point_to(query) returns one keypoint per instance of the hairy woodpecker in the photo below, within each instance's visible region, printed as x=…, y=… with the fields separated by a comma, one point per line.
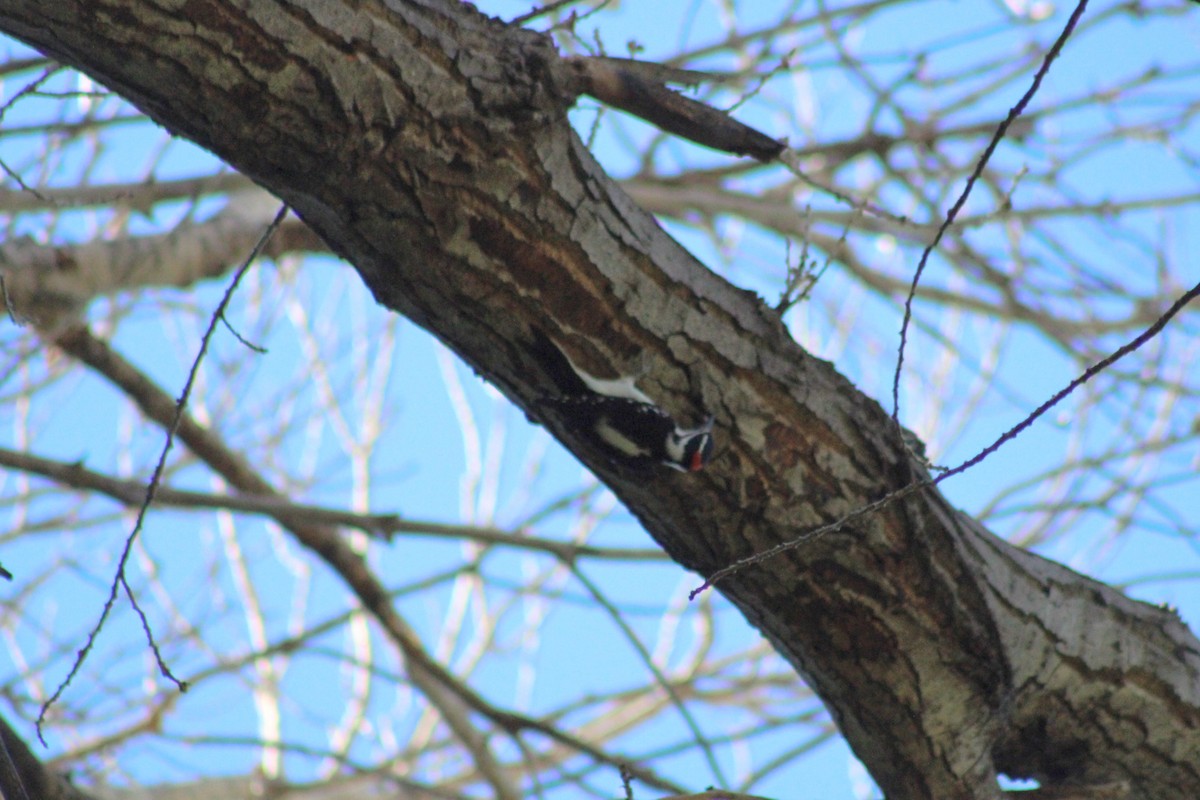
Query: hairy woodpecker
x=619, y=417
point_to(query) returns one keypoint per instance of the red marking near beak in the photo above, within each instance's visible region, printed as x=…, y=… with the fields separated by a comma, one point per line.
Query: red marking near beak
x=697, y=462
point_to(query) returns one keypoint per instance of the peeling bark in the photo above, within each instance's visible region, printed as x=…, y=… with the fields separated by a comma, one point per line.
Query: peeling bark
x=429, y=146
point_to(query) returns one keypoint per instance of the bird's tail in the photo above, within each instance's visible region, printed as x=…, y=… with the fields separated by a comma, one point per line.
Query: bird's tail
x=556, y=364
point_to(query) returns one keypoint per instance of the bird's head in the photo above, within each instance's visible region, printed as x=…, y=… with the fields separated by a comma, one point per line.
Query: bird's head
x=691, y=450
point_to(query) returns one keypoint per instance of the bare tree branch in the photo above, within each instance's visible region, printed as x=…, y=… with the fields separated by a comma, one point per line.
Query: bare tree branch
x=52, y=284
x=286, y=511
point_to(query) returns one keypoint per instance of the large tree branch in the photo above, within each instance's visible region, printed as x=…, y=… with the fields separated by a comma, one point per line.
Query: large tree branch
x=429, y=145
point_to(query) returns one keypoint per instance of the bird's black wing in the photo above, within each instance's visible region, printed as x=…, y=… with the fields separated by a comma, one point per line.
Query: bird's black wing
x=632, y=432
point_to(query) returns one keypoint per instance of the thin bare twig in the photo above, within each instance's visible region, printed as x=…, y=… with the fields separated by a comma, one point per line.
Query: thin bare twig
x=541, y=11
x=998, y=137
x=659, y=677
x=120, y=580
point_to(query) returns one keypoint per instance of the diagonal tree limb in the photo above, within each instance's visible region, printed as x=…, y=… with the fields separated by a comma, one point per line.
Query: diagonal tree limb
x=442, y=150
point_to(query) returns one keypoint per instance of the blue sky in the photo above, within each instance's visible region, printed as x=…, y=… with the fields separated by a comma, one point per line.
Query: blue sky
x=451, y=449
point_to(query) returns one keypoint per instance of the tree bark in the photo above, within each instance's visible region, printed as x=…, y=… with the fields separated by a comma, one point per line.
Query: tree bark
x=24, y=777
x=429, y=146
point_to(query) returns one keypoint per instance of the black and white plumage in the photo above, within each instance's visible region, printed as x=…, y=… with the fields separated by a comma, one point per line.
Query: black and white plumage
x=620, y=418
